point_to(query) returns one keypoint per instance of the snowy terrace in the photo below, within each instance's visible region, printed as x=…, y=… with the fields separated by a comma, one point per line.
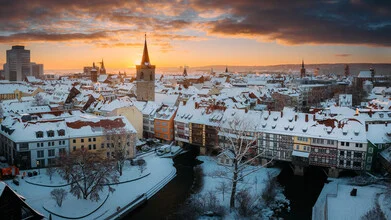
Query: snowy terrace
x=133, y=184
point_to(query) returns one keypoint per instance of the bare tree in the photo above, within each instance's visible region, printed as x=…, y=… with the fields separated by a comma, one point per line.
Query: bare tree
x=238, y=136
x=50, y=170
x=39, y=100
x=120, y=143
x=223, y=188
x=88, y=172
x=58, y=195
x=142, y=165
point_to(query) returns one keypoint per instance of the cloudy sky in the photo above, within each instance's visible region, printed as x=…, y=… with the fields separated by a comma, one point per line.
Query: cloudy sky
x=70, y=34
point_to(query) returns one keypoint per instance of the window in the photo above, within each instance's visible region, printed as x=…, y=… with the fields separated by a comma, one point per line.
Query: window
x=94, y=139
x=39, y=134
x=347, y=144
x=89, y=139
x=108, y=154
x=50, y=133
x=49, y=143
x=82, y=147
x=348, y=163
x=61, y=132
x=94, y=146
x=37, y=144
x=342, y=143
x=74, y=148
x=61, y=151
x=102, y=145
x=41, y=144
x=51, y=153
x=357, y=154
x=82, y=140
x=89, y=147
x=40, y=153
x=356, y=164
x=341, y=153
x=348, y=154
x=370, y=150
x=74, y=140
x=369, y=159
x=340, y=162
x=297, y=147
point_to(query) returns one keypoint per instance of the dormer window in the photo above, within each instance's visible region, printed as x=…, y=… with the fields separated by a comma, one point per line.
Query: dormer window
x=50, y=133
x=381, y=115
x=39, y=134
x=61, y=132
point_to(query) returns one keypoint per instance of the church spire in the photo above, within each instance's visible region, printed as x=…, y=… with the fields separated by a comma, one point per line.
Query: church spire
x=102, y=65
x=145, y=59
x=226, y=69
x=302, y=63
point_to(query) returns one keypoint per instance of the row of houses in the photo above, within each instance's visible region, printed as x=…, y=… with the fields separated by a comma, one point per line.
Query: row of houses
x=333, y=141
x=35, y=140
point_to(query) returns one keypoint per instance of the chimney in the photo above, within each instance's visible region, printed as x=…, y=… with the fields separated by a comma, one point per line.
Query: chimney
x=295, y=117
x=386, y=124
x=184, y=102
x=313, y=118
x=366, y=127
x=306, y=117
x=282, y=114
x=269, y=112
x=196, y=105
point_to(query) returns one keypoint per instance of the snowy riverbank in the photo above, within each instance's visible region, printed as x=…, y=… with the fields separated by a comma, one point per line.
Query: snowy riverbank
x=159, y=172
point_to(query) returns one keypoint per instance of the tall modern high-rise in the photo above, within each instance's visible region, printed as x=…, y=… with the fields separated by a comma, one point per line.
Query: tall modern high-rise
x=18, y=64
x=145, y=79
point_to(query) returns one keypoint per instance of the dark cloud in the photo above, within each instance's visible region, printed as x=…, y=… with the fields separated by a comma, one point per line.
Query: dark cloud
x=303, y=22
x=343, y=55
x=358, y=22
x=23, y=37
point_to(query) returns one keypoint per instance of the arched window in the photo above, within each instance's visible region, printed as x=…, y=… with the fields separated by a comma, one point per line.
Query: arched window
x=150, y=77
x=142, y=75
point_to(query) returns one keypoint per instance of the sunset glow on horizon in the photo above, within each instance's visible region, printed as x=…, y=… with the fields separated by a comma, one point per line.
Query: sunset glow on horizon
x=73, y=34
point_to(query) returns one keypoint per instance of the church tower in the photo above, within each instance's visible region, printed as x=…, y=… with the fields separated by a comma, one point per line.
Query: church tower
x=302, y=71
x=145, y=78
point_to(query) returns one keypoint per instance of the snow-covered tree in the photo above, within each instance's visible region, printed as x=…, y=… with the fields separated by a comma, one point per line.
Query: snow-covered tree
x=50, y=170
x=238, y=136
x=120, y=143
x=223, y=188
x=88, y=172
x=39, y=100
x=58, y=195
x=142, y=165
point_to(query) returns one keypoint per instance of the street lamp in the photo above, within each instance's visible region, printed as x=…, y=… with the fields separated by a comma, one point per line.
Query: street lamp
x=39, y=170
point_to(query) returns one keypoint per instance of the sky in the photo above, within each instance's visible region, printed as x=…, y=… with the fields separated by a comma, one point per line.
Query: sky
x=70, y=34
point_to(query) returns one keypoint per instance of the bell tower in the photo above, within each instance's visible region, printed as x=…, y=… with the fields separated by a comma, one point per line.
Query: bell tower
x=145, y=78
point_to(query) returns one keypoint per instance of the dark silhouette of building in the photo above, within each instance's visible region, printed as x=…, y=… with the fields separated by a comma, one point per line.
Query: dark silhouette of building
x=302, y=70
x=102, y=69
x=347, y=70
x=94, y=73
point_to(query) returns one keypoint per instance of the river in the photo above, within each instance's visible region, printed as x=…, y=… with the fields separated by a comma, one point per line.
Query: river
x=302, y=191
x=166, y=202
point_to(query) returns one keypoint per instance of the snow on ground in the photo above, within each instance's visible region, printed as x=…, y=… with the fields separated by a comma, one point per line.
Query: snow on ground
x=38, y=196
x=340, y=205
x=254, y=182
x=345, y=206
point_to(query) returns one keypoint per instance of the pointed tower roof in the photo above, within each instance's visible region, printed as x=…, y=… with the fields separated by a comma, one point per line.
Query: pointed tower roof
x=226, y=69
x=102, y=65
x=302, y=63
x=145, y=58
x=184, y=71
